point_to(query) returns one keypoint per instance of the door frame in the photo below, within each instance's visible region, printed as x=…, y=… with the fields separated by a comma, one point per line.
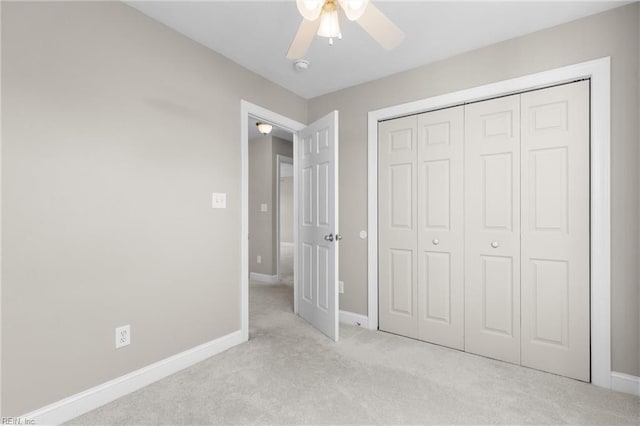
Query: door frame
x=248, y=109
x=599, y=71
x=281, y=159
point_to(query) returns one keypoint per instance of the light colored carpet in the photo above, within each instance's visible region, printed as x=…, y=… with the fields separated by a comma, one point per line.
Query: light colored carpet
x=286, y=264
x=289, y=373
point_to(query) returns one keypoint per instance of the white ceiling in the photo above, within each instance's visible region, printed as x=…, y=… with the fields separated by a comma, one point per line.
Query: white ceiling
x=257, y=35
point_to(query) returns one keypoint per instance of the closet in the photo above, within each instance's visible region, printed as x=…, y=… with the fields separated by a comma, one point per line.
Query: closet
x=484, y=228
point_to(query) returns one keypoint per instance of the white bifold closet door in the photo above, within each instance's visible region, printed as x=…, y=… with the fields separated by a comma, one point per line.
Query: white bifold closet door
x=421, y=255
x=484, y=228
x=440, y=227
x=492, y=227
x=555, y=230
x=397, y=219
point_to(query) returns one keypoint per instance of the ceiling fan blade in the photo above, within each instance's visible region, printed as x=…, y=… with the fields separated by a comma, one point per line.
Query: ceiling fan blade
x=380, y=27
x=302, y=40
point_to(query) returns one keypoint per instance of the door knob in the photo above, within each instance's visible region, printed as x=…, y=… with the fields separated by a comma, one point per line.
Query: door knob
x=338, y=237
x=436, y=242
x=329, y=237
x=495, y=244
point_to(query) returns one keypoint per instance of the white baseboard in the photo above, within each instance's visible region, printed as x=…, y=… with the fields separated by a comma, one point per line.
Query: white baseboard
x=83, y=402
x=625, y=383
x=350, y=318
x=272, y=279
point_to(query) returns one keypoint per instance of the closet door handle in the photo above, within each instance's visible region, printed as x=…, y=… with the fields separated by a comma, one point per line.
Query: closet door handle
x=495, y=244
x=328, y=237
x=436, y=242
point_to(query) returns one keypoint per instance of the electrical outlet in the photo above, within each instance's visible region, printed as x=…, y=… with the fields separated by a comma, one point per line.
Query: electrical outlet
x=219, y=200
x=340, y=286
x=123, y=336
x=259, y=259
x=264, y=207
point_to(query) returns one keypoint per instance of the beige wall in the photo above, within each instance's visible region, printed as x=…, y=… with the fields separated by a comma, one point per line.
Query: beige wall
x=284, y=148
x=263, y=164
x=613, y=33
x=261, y=232
x=116, y=130
x=286, y=210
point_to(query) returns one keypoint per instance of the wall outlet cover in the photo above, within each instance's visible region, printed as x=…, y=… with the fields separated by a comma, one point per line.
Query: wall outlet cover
x=340, y=286
x=219, y=200
x=123, y=336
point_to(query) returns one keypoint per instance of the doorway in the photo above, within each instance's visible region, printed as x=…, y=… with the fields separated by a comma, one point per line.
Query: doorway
x=315, y=221
x=249, y=112
x=270, y=205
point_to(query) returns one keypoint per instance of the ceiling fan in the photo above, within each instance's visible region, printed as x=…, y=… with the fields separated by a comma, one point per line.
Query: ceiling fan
x=321, y=17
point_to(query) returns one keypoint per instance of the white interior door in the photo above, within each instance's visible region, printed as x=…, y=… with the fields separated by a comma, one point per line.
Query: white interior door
x=397, y=225
x=492, y=228
x=555, y=230
x=441, y=227
x=318, y=224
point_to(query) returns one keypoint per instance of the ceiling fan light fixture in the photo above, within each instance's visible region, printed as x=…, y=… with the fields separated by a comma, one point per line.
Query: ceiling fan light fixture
x=310, y=9
x=354, y=9
x=264, y=128
x=326, y=23
x=329, y=24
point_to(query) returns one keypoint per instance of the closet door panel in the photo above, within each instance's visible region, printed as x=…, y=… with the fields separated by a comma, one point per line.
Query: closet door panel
x=555, y=230
x=397, y=222
x=492, y=228
x=440, y=227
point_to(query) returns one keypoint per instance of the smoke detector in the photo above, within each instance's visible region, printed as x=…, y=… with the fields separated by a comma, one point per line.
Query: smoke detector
x=301, y=65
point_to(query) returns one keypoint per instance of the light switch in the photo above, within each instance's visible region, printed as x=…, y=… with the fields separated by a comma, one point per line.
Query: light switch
x=219, y=200
x=263, y=207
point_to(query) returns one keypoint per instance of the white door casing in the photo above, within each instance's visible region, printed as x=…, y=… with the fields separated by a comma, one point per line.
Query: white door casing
x=440, y=227
x=397, y=180
x=317, y=165
x=492, y=228
x=555, y=230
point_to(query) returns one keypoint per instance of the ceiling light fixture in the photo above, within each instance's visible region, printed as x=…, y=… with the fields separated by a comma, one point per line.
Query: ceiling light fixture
x=322, y=18
x=330, y=22
x=327, y=10
x=310, y=9
x=354, y=9
x=264, y=128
